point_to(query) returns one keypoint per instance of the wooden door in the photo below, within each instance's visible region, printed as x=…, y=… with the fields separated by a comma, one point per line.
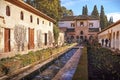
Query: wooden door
x=31, y=39
x=7, y=40
x=45, y=38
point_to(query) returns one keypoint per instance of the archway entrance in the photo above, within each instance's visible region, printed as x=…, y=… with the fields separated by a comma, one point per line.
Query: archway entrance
x=114, y=40
x=117, y=40
x=81, y=37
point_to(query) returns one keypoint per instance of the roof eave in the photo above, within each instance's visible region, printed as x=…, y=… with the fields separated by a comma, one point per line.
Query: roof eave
x=31, y=9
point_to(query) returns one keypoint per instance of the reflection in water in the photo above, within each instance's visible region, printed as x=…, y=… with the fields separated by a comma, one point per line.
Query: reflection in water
x=68, y=75
x=52, y=70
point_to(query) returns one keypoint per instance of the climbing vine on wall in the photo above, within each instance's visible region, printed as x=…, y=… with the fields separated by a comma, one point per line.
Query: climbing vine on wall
x=20, y=36
x=0, y=35
x=39, y=38
x=50, y=37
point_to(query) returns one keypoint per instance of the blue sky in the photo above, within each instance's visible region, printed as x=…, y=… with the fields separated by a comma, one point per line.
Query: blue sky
x=111, y=7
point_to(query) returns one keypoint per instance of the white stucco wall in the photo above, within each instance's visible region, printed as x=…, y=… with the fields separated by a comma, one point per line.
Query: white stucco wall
x=95, y=23
x=66, y=24
x=85, y=23
x=14, y=19
x=115, y=43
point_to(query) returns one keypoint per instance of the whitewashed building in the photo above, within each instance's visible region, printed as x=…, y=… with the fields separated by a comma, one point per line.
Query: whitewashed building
x=79, y=27
x=112, y=34
x=23, y=27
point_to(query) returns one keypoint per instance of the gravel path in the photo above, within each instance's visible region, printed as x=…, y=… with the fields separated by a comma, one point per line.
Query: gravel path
x=67, y=72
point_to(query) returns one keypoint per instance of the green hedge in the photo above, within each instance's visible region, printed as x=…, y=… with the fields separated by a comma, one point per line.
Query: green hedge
x=9, y=65
x=104, y=63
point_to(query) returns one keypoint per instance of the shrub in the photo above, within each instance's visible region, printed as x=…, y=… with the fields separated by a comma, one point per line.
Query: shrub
x=103, y=62
x=8, y=67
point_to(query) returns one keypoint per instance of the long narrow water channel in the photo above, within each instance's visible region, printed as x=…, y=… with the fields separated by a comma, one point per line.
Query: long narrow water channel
x=48, y=72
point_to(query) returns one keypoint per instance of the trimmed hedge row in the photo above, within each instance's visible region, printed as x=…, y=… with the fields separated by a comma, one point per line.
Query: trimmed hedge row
x=103, y=64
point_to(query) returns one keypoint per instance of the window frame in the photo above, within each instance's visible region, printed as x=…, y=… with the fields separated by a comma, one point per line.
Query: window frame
x=90, y=24
x=81, y=23
x=31, y=18
x=21, y=15
x=8, y=13
x=38, y=21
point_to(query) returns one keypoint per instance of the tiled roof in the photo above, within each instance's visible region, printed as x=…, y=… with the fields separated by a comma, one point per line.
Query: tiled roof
x=29, y=8
x=80, y=17
x=112, y=25
x=85, y=17
x=68, y=18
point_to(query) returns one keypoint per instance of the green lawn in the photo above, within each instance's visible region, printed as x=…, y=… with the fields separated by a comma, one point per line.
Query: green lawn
x=82, y=68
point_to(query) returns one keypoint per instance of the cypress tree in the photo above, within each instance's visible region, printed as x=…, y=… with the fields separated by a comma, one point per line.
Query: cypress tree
x=110, y=21
x=83, y=10
x=95, y=12
x=29, y=2
x=86, y=10
x=106, y=21
x=103, y=18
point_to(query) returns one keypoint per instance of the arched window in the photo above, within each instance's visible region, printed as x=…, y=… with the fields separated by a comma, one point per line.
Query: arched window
x=90, y=37
x=21, y=15
x=81, y=32
x=7, y=10
x=37, y=20
x=31, y=19
x=42, y=22
x=72, y=37
x=114, y=40
x=114, y=35
x=117, y=35
x=77, y=37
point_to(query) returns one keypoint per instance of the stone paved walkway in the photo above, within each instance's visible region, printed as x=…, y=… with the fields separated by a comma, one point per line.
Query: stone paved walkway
x=66, y=73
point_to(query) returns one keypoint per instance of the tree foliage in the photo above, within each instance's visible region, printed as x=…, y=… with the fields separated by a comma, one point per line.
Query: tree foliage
x=95, y=12
x=56, y=33
x=52, y=8
x=66, y=12
x=85, y=10
x=110, y=21
x=103, y=18
x=50, y=37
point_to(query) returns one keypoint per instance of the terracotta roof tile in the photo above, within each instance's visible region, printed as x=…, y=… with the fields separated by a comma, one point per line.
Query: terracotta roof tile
x=85, y=17
x=80, y=17
x=68, y=18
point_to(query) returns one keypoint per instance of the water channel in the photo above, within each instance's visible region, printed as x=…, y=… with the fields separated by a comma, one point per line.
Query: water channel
x=48, y=71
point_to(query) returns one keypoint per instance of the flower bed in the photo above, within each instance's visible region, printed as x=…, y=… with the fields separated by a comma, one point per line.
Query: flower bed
x=9, y=65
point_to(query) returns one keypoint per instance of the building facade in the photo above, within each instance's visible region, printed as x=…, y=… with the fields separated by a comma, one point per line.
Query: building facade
x=23, y=27
x=111, y=35
x=79, y=27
